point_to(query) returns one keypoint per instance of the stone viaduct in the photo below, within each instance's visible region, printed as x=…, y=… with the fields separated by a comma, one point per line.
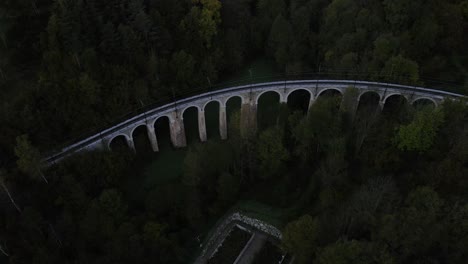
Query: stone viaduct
x=249, y=95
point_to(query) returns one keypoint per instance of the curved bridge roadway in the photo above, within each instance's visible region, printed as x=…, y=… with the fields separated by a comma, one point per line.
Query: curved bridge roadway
x=249, y=95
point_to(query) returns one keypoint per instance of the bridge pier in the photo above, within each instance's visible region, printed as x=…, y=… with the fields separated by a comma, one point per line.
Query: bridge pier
x=131, y=144
x=381, y=106
x=350, y=102
x=311, y=103
x=153, y=139
x=222, y=122
x=350, y=107
x=178, y=132
x=202, y=125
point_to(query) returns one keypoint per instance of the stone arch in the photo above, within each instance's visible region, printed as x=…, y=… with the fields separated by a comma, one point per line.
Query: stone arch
x=243, y=101
x=211, y=113
x=369, y=92
x=163, y=130
x=212, y=101
x=394, y=94
x=142, y=142
x=191, y=123
x=368, y=102
x=136, y=127
x=115, y=137
x=299, y=89
x=425, y=98
x=267, y=91
x=153, y=123
x=328, y=89
x=297, y=100
x=266, y=111
x=400, y=102
x=233, y=105
x=182, y=112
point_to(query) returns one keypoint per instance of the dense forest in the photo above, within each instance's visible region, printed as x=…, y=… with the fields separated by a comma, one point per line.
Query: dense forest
x=372, y=187
x=70, y=66
x=382, y=187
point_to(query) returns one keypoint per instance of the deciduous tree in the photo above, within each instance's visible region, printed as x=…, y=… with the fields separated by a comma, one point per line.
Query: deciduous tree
x=419, y=135
x=271, y=152
x=300, y=238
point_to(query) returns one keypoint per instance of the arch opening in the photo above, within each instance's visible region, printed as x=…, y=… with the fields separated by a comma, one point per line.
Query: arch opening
x=233, y=111
x=368, y=102
x=394, y=106
x=333, y=95
x=268, y=108
x=299, y=100
x=141, y=140
x=190, y=116
x=265, y=93
x=212, y=120
x=424, y=102
x=330, y=92
x=119, y=144
x=163, y=133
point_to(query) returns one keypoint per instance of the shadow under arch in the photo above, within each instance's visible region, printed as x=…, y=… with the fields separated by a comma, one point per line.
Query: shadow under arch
x=212, y=119
x=261, y=94
x=119, y=144
x=233, y=107
x=162, y=128
x=190, y=116
x=268, y=109
x=298, y=100
x=394, y=101
x=331, y=94
x=141, y=140
x=424, y=102
x=368, y=101
x=395, y=105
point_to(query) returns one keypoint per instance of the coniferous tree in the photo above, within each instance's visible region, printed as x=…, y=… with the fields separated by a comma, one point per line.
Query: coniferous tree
x=29, y=158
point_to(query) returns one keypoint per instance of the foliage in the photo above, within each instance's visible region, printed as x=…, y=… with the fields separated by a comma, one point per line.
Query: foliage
x=97, y=60
x=271, y=152
x=29, y=158
x=343, y=252
x=300, y=238
x=228, y=187
x=415, y=230
x=420, y=134
x=399, y=66
x=372, y=187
